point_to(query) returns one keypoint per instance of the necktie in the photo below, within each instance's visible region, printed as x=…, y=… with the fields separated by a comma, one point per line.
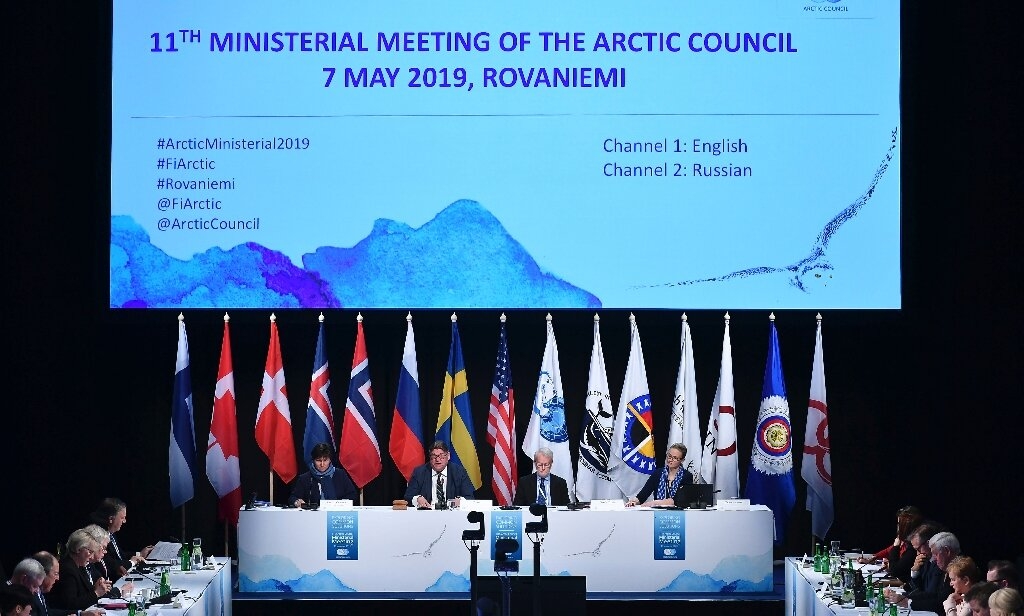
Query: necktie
x=88, y=574
x=113, y=544
x=42, y=604
x=542, y=496
x=439, y=496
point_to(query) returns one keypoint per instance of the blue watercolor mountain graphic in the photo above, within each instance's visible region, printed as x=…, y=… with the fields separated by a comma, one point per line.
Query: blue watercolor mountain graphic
x=247, y=276
x=279, y=574
x=463, y=257
x=732, y=574
x=450, y=582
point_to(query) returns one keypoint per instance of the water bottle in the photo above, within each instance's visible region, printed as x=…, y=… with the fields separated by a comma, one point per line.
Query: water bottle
x=185, y=557
x=197, y=553
x=165, y=583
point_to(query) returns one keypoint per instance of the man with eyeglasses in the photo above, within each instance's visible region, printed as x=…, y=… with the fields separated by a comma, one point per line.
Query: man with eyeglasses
x=438, y=481
x=929, y=586
x=541, y=487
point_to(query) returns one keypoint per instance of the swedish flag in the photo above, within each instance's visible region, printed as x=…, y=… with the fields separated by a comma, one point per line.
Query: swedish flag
x=455, y=421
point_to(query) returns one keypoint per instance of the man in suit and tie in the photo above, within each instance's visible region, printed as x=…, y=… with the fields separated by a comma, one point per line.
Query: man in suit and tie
x=435, y=483
x=541, y=487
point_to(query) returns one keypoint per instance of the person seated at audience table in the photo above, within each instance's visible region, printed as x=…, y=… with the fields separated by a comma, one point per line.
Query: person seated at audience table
x=660, y=489
x=977, y=597
x=323, y=481
x=15, y=600
x=97, y=569
x=1006, y=602
x=74, y=591
x=899, y=556
x=454, y=480
x=40, y=604
x=29, y=574
x=111, y=514
x=1004, y=573
x=963, y=573
x=928, y=586
x=555, y=491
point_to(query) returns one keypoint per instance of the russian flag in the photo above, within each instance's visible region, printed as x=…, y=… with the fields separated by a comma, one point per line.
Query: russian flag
x=406, y=443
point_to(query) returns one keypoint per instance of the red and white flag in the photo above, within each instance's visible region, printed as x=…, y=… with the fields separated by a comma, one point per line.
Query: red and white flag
x=273, y=419
x=222, y=447
x=359, y=451
x=816, y=468
x=720, y=462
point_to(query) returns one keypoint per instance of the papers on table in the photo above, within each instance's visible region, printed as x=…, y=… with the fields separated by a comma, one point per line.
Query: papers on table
x=163, y=550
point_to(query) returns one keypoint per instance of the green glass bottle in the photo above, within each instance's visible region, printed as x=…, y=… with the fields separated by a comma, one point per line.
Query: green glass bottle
x=165, y=583
x=185, y=557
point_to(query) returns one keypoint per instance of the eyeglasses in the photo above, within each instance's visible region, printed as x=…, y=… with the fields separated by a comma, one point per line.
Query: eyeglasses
x=542, y=464
x=671, y=457
x=438, y=456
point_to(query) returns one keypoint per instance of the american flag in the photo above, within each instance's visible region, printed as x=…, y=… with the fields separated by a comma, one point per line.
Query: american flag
x=501, y=426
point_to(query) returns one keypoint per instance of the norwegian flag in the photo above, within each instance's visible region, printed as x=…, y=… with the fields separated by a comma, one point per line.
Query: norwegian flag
x=319, y=414
x=359, y=450
x=501, y=426
x=274, y=419
x=222, y=447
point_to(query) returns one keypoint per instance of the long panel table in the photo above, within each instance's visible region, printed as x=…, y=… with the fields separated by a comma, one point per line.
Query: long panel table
x=206, y=592
x=380, y=550
x=805, y=594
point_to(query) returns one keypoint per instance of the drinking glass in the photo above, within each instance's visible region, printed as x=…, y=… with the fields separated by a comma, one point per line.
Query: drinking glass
x=834, y=548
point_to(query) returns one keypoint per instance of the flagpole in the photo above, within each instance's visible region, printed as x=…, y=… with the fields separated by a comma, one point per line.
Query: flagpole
x=271, y=481
x=227, y=529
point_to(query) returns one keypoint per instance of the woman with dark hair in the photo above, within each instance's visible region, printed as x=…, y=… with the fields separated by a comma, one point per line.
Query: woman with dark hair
x=900, y=555
x=323, y=481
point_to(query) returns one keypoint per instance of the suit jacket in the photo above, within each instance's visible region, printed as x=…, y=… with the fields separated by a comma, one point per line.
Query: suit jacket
x=72, y=590
x=651, y=486
x=526, y=490
x=116, y=558
x=39, y=610
x=930, y=589
x=343, y=487
x=99, y=570
x=422, y=483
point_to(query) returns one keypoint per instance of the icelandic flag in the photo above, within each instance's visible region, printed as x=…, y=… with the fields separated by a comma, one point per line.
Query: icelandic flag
x=182, y=454
x=319, y=413
x=592, y=480
x=406, y=444
x=683, y=426
x=222, y=447
x=359, y=450
x=632, y=454
x=455, y=420
x=501, y=426
x=720, y=460
x=770, y=479
x=816, y=467
x=274, y=417
x=547, y=421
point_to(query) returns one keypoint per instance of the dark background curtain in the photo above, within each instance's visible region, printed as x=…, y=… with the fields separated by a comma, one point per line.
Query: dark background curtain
x=924, y=402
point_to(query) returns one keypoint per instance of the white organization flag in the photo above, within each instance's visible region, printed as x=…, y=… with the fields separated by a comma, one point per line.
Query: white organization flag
x=632, y=455
x=592, y=480
x=720, y=462
x=683, y=424
x=816, y=468
x=547, y=421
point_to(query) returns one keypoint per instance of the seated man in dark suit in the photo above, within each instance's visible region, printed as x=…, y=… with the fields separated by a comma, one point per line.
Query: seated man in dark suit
x=541, y=487
x=438, y=478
